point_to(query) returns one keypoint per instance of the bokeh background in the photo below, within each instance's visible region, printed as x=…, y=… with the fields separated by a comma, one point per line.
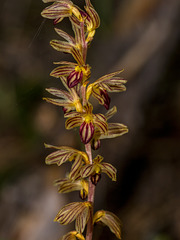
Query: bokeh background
x=143, y=38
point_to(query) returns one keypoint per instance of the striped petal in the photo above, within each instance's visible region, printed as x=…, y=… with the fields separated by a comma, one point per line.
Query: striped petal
x=61, y=46
x=61, y=102
x=87, y=170
x=86, y=132
x=109, y=170
x=72, y=122
x=111, y=112
x=65, y=35
x=74, y=78
x=94, y=18
x=57, y=10
x=101, y=95
x=114, y=130
x=62, y=71
x=67, y=185
x=100, y=122
x=64, y=154
x=76, y=168
x=82, y=219
x=110, y=220
x=71, y=211
x=73, y=235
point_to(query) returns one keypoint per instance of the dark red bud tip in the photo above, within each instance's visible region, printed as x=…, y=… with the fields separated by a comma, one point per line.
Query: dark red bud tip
x=95, y=178
x=83, y=194
x=95, y=144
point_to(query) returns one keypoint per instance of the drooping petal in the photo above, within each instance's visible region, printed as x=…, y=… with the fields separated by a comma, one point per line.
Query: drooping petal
x=76, y=168
x=82, y=218
x=94, y=18
x=101, y=95
x=86, y=132
x=109, y=170
x=73, y=235
x=95, y=143
x=111, y=112
x=110, y=220
x=69, y=213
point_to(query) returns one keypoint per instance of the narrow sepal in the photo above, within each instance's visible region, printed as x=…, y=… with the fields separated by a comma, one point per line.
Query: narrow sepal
x=68, y=185
x=111, y=112
x=109, y=170
x=73, y=235
x=76, y=168
x=83, y=218
x=76, y=210
x=57, y=10
x=93, y=16
x=100, y=122
x=110, y=220
x=61, y=71
x=64, y=154
x=65, y=35
x=114, y=130
x=69, y=213
x=61, y=46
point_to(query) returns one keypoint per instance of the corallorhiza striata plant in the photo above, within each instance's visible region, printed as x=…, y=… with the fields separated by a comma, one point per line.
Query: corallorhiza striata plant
x=75, y=100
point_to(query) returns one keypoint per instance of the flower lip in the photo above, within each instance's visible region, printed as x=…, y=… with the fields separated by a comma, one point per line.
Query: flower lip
x=86, y=132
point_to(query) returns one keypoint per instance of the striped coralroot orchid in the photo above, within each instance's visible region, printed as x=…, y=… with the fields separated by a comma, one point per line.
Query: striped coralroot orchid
x=75, y=100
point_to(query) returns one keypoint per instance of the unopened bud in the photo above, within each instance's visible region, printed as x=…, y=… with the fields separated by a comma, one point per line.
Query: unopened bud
x=95, y=178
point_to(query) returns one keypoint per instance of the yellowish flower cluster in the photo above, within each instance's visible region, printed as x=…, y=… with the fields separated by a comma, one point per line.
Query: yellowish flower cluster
x=75, y=100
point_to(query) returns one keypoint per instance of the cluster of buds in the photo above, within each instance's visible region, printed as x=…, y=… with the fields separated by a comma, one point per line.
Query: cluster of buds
x=75, y=99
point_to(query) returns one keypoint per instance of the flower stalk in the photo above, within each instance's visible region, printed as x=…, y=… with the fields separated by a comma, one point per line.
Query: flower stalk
x=75, y=100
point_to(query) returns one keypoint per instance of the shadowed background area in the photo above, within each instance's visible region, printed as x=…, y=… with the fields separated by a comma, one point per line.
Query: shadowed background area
x=143, y=38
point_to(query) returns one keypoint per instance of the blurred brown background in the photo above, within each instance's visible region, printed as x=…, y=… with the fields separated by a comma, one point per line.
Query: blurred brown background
x=143, y=38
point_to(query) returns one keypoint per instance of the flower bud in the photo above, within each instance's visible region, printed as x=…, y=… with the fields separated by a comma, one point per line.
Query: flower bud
x=95, y=178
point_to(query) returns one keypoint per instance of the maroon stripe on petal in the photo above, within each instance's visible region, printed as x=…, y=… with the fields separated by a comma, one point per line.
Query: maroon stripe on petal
x=86, y=132
x=74, y=78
